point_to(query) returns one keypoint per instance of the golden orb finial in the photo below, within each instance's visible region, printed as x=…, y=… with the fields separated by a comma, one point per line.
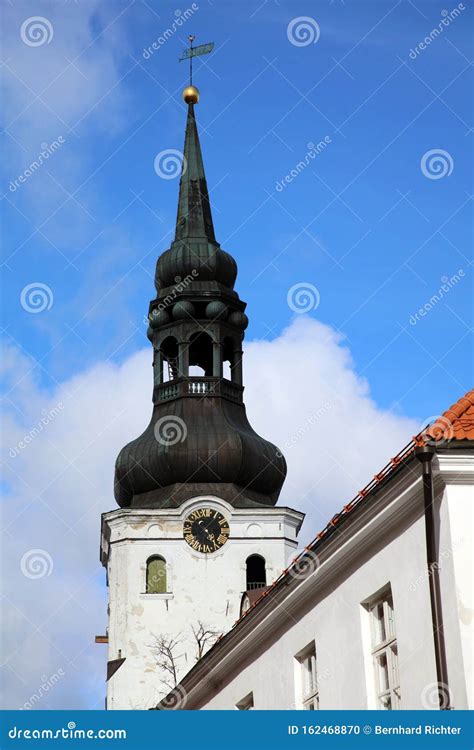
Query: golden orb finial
x=191, y=95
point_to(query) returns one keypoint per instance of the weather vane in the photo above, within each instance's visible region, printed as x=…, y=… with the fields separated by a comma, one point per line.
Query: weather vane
x=190, y=93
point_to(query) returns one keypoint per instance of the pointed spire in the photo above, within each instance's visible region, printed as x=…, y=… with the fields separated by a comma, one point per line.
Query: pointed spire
x=194, y=219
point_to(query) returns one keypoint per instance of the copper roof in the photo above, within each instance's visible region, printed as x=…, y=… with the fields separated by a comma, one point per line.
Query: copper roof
x=199, y=440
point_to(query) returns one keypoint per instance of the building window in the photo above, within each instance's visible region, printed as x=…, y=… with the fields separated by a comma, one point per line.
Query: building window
x=385, y=652
x=246, y=704
x=156, y=575
x=308, y=678
x=256, y=576
x=169, y=354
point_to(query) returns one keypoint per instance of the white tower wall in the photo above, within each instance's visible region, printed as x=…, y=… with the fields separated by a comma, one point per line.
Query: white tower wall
x=201, y=588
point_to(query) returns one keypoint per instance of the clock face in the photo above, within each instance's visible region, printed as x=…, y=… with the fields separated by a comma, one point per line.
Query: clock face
x=206, y=530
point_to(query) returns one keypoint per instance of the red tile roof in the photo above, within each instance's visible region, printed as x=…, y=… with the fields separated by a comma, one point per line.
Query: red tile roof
x=457, y=423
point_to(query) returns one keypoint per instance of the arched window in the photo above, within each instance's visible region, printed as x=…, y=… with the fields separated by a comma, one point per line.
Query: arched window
x=233, y=355
x=156, y=575
x=169, y=352
x=256, y=573
x=200, y=353
x=227, y=357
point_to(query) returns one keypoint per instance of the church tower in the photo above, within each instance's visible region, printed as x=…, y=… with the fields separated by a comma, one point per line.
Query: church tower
x=197, y=525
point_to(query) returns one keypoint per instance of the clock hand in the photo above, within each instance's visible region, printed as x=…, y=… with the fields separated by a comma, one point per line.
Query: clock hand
x=210, y=536
x=203, y=527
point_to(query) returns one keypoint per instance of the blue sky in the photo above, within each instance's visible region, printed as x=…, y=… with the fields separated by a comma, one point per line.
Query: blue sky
x=378, y=222
x=380, y=235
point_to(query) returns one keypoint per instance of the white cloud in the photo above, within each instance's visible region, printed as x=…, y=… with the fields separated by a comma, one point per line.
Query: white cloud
x=307, y=397
x=65, y=89
x=64, y=79
x=302, y=392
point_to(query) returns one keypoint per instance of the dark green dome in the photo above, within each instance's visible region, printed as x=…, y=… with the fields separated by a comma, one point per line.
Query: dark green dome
x=197, y=260
x=239, y=320
x=183, y=310
x=199, y=446
x=199, y=440
x=216, y=310
x=159, y=318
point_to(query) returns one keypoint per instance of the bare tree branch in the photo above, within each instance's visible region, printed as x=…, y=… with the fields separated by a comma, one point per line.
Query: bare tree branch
x=165, y=651
x=204, y=637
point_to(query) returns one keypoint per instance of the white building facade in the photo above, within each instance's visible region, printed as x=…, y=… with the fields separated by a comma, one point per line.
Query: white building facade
x=198, y=589
x=350, y=626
